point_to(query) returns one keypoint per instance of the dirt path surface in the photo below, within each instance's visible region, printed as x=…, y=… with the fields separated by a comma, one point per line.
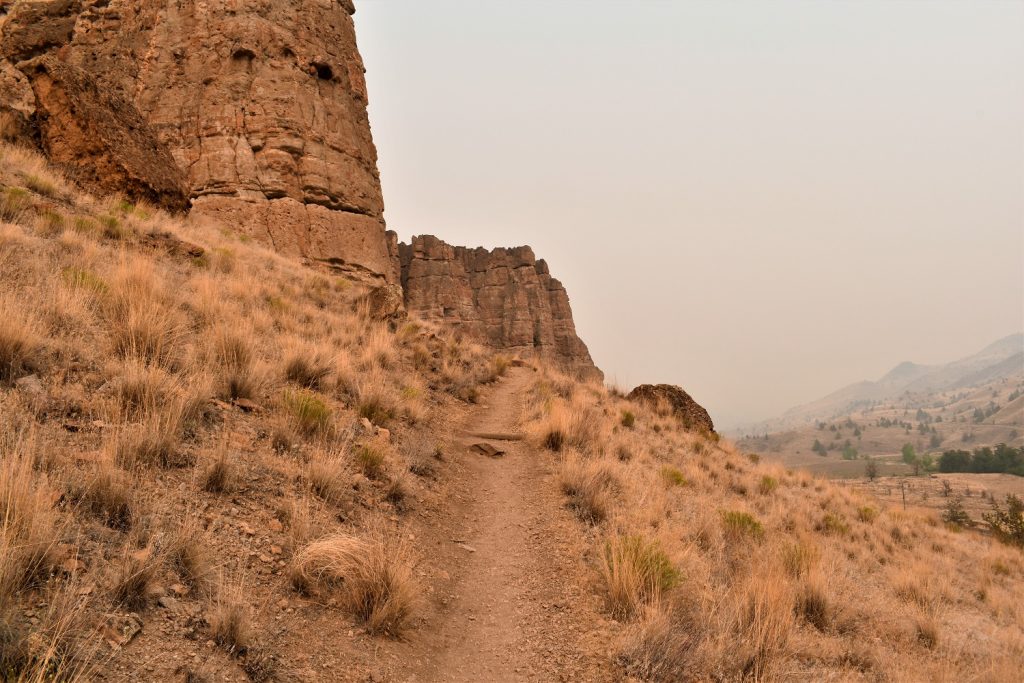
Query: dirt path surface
x=511, y=599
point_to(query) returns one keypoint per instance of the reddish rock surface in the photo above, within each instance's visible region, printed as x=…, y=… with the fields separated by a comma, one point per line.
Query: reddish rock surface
x=100, y=139
x=691, y=413
x=262, y=106
x=504, y=297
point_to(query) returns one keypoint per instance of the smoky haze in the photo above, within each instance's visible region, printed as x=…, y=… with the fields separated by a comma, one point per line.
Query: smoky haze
x=761, y=202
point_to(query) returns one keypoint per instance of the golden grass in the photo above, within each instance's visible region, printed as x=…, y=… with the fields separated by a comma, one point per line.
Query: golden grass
x=20, y=342
x=189, y=556
x=106, y=493
x=588, y=485
x=775, y=573
x=231, y=620
x=135, y=577
x=371, y=576
x=28, y=525
x=134, y=345
x=328, y=478
x=636, y=572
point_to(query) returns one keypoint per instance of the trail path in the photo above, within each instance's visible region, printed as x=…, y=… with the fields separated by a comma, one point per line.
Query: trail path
x=511, y=600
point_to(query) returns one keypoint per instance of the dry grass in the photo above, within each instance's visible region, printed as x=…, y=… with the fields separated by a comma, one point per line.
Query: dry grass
x=20, y=343
x=189, y=556
x=134, y=339
x=28, y=525
x=328, y=478
x=589, y=486
x=220, y=473
x=371, y=576
x=568, y=425
x=131, y=343
x=231, y=620
x=306, y=365
x=636, y=572
x=770, y=573
x=135, y=578
x=371, y=461
x=106, y=493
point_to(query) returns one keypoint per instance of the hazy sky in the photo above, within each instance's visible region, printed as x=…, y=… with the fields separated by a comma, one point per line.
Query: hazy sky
x=758, y=201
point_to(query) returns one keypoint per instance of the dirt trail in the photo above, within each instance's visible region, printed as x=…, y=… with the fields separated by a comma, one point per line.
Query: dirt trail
x=511, y=600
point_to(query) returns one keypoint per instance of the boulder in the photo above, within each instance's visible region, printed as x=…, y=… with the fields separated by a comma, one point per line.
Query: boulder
x=690, y=413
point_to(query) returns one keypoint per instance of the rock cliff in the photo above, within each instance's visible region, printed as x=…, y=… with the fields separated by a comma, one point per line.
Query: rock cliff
x=254, y=113
x=261, y=105
x=505, y=297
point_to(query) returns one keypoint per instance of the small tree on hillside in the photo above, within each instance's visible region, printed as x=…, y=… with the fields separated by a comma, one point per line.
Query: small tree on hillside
x=954, y=513
x=1008, y=524
x=871, y=470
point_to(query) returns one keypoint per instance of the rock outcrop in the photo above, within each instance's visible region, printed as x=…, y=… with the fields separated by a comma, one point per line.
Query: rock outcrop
x=254, y=113
x=504, y=297
x=690, y=413
x=100, y=139
x=261, y=105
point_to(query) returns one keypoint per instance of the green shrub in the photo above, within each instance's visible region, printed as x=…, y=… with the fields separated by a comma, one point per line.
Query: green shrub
x=739, y=525
x=833, y=525
x=636, y=571
x=370, y=461
x=83, y=279
x=767, y=485
x=1008, y=524
x=954, y=513
x=628, y=419
x=311, y=414
x=672, y=476
x=867, y=514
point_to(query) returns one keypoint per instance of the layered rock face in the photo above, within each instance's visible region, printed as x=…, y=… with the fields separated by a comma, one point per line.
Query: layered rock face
x=262, y=106
x=254, y=113
x=505, y=297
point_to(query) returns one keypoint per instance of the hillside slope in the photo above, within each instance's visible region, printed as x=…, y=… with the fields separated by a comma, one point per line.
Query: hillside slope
x=219, y=463
x=1001, y=360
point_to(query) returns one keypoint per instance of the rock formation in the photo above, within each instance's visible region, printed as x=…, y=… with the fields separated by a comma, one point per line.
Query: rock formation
x=690, y=413
x=505, y=297
x=261, y=105
x=254, y=113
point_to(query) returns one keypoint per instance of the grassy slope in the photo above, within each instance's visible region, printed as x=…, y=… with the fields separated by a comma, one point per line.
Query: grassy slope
x=129, y=476
x=131, y=471
x=728, y=567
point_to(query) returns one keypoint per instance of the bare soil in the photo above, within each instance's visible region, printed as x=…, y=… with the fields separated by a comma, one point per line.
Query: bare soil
x=512, y=598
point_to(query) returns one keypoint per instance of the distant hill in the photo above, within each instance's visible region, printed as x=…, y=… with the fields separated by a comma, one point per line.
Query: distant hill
x=1003, y=359
x=971, y=402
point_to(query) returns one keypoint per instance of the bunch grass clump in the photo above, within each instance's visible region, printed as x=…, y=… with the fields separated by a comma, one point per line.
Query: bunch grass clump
x=309, y=412
x=372, y=577
x=637, y=572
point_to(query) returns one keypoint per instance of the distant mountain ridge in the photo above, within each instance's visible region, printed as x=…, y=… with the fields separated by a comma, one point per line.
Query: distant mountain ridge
x=1002, y=358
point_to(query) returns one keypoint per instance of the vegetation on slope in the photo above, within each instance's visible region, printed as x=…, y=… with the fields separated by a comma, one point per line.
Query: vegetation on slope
x=725, y=568
x=194, y=424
